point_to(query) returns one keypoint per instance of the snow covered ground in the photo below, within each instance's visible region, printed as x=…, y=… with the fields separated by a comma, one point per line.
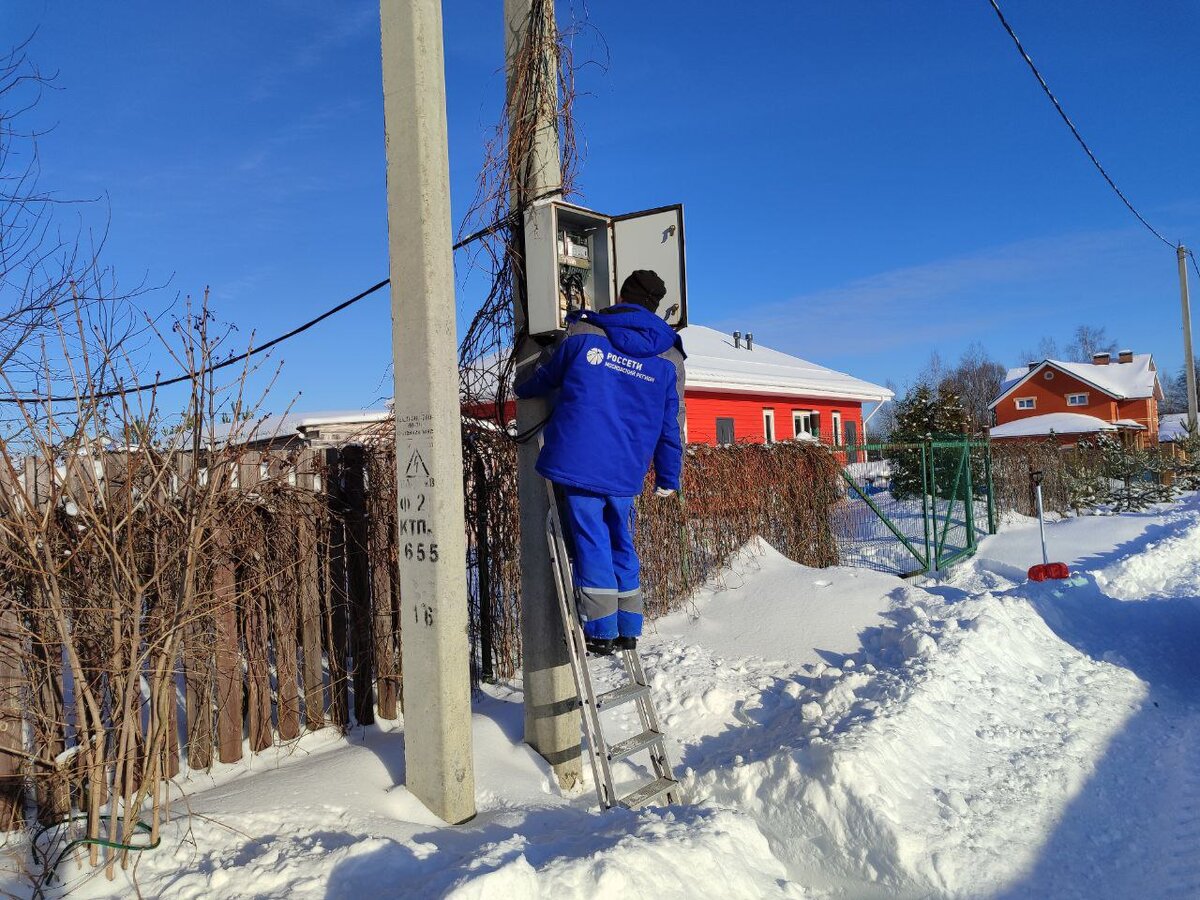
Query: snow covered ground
x=842, y=733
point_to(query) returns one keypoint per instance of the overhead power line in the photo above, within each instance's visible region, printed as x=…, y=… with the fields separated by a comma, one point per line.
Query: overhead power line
x=504, y=221
x=189, y=376
x=1075, y=131
x=233, y=360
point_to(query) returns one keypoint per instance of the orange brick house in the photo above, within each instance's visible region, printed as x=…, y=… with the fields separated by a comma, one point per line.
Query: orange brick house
x=1070, y=401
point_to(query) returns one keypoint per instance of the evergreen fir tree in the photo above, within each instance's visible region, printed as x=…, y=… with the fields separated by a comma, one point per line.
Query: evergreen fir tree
x=1107, y=473
x=925, y=412
x=1187, y=464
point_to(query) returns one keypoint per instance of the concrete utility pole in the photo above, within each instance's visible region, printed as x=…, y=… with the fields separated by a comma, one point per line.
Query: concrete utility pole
x=439, y=767
x=551, y=704
x=1189, y=359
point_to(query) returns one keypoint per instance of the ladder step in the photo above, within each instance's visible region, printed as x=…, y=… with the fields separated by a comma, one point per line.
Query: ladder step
x=647, y=794
x=624, y=694
x=632, y=745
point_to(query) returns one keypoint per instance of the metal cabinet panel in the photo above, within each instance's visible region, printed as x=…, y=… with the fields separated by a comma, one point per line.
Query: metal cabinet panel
x=653, y=239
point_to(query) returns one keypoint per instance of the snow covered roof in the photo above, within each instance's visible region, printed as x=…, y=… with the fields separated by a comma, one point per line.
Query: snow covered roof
x=715, y=364
x=1059, y=423
x=1124, y=381
x=296, y=424
x=1172, y=427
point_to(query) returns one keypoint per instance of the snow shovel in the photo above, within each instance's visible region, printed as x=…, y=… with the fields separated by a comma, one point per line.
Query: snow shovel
x=1045, y=570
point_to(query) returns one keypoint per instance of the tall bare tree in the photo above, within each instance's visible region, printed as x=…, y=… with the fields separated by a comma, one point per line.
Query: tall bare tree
x=1175, y=391
x=49, y=268
x=1047, y=348
x=976, y=379
x=1088, y=341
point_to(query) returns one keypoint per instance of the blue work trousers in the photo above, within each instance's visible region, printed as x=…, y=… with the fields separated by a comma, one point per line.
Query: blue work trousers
x=607, y=584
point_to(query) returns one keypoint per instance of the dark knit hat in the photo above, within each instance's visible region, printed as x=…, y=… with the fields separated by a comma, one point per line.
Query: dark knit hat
x=644, y=288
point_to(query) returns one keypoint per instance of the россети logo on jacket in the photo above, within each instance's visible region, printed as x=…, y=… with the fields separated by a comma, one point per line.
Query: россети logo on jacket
x=624, y=365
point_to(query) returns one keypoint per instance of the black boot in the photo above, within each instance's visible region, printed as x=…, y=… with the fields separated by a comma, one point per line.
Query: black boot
x=598, y=646
x=625, y=642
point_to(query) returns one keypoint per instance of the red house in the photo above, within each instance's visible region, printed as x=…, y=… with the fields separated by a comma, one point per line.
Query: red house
x=740, y=391
x=1075, y=400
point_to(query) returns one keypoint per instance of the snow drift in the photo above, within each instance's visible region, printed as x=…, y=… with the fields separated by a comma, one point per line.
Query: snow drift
x=841, y=732
x=938, y=760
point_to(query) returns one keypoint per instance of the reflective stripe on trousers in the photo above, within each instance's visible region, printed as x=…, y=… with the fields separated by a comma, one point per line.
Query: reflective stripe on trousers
x=596, y=603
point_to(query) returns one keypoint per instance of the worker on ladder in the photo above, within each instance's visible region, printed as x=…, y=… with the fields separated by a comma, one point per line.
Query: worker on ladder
x=619, y=376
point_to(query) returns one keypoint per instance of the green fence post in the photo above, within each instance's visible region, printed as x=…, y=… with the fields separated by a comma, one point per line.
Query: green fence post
x=991, y=487
x=969, y=504
x=926, y=470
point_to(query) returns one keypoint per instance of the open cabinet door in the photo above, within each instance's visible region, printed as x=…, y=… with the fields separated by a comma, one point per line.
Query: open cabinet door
x=653, y=239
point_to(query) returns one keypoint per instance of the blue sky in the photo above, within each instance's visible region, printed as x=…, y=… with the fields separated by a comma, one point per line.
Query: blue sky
x=865, y=182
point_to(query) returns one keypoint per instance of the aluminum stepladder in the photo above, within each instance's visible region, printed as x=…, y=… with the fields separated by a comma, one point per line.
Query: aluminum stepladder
x=664, y=787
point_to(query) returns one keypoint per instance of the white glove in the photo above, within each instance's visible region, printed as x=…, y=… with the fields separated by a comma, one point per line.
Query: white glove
x=663, y=492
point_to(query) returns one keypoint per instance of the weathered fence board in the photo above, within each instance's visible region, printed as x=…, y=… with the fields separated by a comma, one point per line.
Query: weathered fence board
x=12, y=744
x=358, y=582
x=171, y=766
x=228, y=657
x=308, y=590
x=335, y=595
x=387, y=682
x=281, y=582
x=49, y=725
x=252, y=590
x=283, y=633
x=198, y=678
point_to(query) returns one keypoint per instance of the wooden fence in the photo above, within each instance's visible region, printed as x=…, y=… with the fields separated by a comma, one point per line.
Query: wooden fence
x=301, y=628
x=304, y=632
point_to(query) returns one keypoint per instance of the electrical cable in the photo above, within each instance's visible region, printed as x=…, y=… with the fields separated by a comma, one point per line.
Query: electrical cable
x=1075, y=131
x=52, y=872
x=503, y=221
x=189, y=376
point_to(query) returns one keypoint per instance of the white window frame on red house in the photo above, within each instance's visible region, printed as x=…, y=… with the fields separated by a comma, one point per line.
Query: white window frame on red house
x=835, y=419
x=1082, y=398
x=1031, y=401
x=769, y=436
x=801, y=422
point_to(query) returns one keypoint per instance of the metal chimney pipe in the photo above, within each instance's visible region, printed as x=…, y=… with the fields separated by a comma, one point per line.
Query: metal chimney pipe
x=749, y=341
x=737, y=340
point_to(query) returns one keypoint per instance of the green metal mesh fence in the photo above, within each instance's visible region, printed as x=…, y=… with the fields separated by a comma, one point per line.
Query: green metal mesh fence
x=912, y=508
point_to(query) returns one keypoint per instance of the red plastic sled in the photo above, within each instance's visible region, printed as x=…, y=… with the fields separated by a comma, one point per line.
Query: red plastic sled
x=1049, y=572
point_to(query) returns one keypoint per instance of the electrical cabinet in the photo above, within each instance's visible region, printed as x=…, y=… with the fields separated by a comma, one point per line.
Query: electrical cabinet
x=576, y=258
